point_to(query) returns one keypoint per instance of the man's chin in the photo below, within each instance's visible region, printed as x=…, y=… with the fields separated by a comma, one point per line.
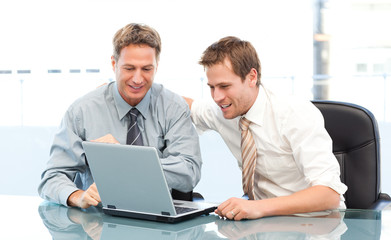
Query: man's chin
x=229, y=116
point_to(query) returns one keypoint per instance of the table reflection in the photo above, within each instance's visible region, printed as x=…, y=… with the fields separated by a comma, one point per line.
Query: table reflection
x=73, y=223
x=330, y=226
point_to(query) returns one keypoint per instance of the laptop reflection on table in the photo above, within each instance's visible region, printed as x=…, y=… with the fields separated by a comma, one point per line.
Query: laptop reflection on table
x=124, y=228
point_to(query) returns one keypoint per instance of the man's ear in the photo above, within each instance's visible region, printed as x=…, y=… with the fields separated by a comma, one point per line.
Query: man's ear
x=253, y=77
x=113, y=62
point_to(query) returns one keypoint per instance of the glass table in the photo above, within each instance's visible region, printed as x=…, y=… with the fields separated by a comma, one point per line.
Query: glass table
x=32, y=218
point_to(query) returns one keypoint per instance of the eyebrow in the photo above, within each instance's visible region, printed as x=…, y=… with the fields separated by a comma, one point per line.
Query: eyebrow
x=131, y=65
x=219, y=84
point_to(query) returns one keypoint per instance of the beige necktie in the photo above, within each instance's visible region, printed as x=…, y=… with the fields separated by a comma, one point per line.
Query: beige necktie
x=249, y=156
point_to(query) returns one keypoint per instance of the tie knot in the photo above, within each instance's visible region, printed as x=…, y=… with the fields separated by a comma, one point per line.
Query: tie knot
x=134, y=113
x=244, y=123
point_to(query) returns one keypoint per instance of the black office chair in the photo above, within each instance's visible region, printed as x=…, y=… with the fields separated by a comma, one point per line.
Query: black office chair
x=356, y=145
x=186, y=196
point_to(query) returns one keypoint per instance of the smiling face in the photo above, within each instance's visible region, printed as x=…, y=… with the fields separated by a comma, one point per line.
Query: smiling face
x=135, y=71
x=233, y=95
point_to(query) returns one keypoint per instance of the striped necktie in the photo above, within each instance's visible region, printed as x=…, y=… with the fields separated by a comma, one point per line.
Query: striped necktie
x=249, y=156
x=134, y=135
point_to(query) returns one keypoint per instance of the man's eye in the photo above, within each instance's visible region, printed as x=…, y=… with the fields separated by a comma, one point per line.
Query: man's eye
x=147, y=69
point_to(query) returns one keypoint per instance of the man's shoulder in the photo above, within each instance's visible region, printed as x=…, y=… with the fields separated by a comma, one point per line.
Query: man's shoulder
x=288, y=107
x=94, y=97
x=167, y=98
x=288, y=103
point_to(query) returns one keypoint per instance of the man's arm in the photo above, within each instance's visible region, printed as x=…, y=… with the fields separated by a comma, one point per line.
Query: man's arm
x=312, y=199
x=181, y=157
x=312, y=151
x=203, y=114
x=65, y=163
x=90, y=197
x=67, y=173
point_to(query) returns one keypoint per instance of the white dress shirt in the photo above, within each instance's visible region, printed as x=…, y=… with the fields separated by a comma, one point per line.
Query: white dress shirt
x=294, y=151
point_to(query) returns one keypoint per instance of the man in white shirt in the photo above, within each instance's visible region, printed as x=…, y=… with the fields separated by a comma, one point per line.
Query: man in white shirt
x=294, y=169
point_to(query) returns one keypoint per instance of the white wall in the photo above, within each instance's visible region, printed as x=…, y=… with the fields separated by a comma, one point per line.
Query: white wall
x=76, y=34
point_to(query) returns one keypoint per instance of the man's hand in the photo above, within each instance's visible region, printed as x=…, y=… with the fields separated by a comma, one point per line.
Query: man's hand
x=106, y=139
x=238, y=208
x=189, y=101
x=313, y=199
x=85, y=199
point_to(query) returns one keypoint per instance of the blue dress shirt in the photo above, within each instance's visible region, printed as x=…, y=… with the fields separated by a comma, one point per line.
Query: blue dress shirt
x=164, y=123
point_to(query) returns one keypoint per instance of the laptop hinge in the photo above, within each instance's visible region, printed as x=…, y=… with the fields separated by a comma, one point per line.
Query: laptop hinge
x=166, y=213
x=111, y=206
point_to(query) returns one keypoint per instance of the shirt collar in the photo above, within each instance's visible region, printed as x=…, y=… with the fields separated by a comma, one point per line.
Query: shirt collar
x=123, y=107
x=257, y=111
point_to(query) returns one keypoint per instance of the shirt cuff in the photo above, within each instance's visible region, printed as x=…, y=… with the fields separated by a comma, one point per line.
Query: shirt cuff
x=65, y=193
x=333, y=183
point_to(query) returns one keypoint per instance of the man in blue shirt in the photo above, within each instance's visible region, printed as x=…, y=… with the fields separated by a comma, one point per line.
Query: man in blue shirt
x=103, y=115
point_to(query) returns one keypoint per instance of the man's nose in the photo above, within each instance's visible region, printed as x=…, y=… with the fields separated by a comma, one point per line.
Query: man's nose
x=137, y=77
x=218, y=95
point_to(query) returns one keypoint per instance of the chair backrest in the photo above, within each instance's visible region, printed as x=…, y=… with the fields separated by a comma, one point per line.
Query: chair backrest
x=356, y=145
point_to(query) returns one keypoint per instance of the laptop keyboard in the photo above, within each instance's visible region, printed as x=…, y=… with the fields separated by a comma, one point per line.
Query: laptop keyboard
x=180, y=210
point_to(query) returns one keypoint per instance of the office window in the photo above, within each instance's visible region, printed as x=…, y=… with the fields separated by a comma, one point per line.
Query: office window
x=378, y=68
x=361, y=68
x=388, y=66
x=5, y=71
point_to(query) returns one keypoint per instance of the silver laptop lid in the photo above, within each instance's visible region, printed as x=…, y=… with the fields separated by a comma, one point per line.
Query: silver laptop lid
x=129, y=178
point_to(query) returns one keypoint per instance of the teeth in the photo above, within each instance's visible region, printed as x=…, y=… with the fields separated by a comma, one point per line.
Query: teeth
x=136, y=87
x=225, y=106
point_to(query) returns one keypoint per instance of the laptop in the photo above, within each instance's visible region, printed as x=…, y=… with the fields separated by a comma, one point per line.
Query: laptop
x=131, y=183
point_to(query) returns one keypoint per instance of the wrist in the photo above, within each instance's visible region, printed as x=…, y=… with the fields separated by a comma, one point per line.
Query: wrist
x=74, y=198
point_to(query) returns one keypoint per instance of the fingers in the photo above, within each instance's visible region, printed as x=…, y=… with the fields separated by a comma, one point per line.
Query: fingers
x=87, y=201
x=228, y=209
x=234, y=209
x=223, y=208
x=84, y=199
x=91, y=196
x=93, y=192
x=233, y=214
x=108, y=138
x=189, y=101
x=240, y=215
x=220, y=209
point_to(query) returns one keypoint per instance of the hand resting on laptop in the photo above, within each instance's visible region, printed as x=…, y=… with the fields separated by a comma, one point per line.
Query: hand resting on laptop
x=85, y=199
x=90, y=197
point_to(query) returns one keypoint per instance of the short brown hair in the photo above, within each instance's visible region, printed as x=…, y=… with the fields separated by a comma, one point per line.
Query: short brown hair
x=138, y=34
x=242, y=55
